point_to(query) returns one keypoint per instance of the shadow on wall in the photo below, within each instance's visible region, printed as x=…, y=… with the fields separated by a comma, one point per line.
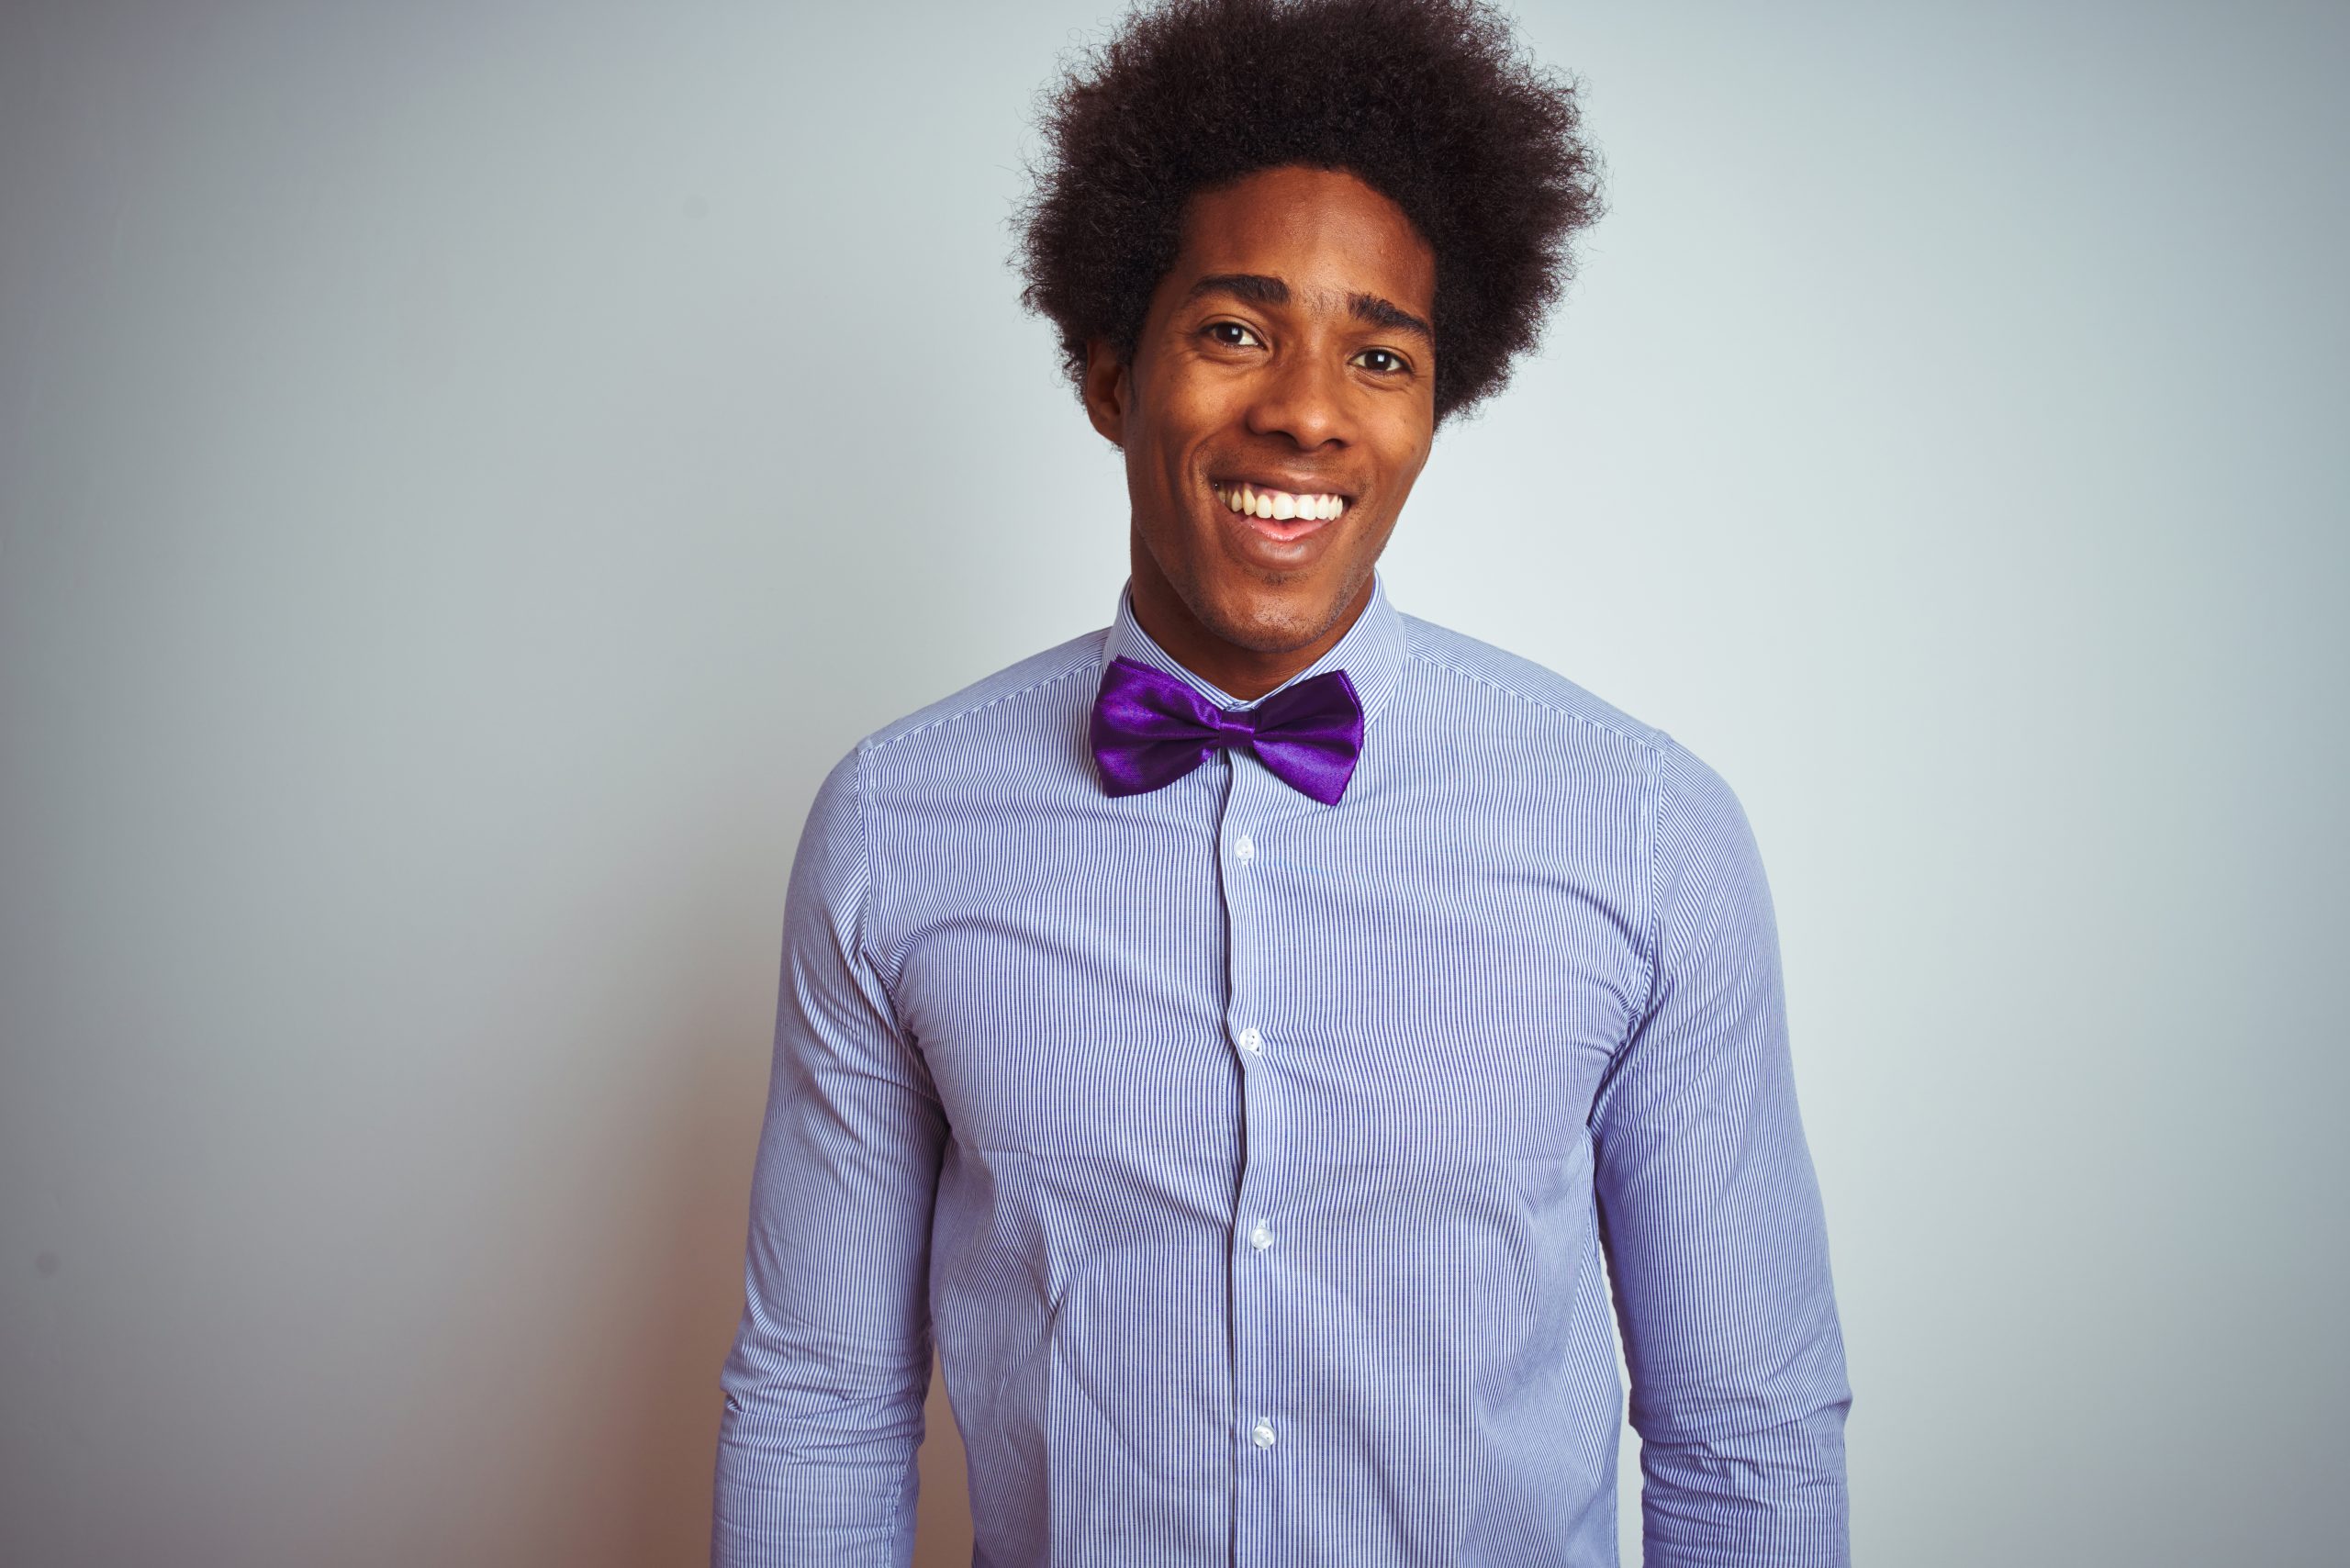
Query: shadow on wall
x=674, y=1182
x=567, y=1408
x=686, y=1238
x=943, y=1537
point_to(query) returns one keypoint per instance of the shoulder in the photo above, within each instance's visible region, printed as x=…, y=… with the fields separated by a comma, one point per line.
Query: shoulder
x=1471, y=673
x=1467, y=676
x=997, y=707
x=1005, y=737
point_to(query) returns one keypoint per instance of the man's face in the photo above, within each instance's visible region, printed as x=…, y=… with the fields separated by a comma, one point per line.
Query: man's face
x=1285, y=366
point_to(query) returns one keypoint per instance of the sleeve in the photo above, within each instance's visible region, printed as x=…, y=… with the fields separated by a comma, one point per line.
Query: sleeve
x=825, y=1383
x=1711, y=1215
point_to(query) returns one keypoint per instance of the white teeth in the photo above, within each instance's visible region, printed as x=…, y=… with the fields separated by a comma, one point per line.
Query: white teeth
x=1279, y=505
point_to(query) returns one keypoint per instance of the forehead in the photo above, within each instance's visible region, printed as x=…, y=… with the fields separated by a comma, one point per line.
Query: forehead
x=1323, y=231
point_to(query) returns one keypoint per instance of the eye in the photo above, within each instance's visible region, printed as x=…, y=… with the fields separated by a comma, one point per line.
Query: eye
x=1232, y=335
x=1383, y=362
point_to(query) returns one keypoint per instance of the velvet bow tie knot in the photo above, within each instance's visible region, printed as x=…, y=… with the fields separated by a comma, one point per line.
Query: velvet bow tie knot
x=1150, y=729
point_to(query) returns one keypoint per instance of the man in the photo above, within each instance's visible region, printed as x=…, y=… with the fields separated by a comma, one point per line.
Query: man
x=1245, y=1041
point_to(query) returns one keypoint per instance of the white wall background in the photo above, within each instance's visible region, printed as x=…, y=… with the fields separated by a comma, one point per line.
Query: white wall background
x=467, y=470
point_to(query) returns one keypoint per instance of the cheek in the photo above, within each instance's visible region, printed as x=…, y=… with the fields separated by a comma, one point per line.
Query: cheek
x=1404, y=447
x=1175, y=442
x=1192, y=406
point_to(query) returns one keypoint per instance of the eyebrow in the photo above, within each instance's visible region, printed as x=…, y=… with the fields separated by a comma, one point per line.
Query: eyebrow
x=1256, y=288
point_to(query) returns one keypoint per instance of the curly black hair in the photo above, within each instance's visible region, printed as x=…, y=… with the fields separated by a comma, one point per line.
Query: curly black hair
x=1429, y=102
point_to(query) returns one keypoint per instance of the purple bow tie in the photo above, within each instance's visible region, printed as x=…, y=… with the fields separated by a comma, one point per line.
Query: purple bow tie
x=1150, y=729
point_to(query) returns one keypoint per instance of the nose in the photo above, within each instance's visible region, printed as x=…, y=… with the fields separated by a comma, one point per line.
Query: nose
x=1302, y=394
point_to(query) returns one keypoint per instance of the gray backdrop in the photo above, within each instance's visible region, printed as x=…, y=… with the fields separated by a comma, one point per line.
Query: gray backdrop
x=467, y=470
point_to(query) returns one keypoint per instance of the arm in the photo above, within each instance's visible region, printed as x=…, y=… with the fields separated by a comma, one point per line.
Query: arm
x=825, y=1385
x=1712, y=1219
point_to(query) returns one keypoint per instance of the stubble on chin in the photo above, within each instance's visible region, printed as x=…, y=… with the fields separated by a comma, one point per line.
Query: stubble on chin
x=1272, y=622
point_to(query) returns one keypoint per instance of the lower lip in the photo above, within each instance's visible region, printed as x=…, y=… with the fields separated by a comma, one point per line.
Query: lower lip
x=1278, y=530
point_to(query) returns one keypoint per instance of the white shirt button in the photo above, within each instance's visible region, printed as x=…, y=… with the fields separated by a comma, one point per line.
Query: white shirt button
x=1263, y=1433
x=1252, y=1042
x=1261, y=1237
x=1246, y=849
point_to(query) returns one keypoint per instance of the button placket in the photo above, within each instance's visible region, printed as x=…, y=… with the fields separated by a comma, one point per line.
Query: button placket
x=1250, y=876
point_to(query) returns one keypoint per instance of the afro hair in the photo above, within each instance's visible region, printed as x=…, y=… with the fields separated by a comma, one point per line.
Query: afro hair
x=1429, y=102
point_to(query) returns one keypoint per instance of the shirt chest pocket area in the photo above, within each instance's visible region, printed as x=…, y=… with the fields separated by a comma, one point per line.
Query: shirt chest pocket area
x=1041, y=1042
x=1459, y=1041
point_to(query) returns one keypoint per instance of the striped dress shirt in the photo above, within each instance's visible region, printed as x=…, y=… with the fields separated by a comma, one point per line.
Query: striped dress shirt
x=1259, y=1168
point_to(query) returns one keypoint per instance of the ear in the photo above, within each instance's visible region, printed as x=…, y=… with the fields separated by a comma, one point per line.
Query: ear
x=1106, y=387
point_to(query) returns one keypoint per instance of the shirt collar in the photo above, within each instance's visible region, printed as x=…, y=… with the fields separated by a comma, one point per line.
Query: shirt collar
x=1372, y=653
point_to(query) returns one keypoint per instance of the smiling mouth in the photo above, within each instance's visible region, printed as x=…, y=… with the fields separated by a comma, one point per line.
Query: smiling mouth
x=1280, y=506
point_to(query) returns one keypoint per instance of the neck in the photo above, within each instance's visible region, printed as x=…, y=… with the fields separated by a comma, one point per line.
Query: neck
x=1248, y=673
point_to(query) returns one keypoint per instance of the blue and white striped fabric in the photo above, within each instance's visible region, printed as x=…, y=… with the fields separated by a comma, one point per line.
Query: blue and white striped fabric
x=1256, y=1163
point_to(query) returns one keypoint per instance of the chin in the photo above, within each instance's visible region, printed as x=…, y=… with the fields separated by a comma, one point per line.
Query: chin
x=1270, y=622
